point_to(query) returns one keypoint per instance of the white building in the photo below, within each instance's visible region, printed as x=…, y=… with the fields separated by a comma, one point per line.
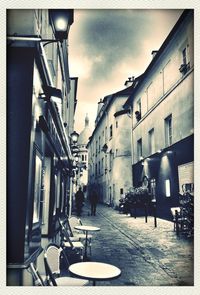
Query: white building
x=163, y=109
x=110, y=148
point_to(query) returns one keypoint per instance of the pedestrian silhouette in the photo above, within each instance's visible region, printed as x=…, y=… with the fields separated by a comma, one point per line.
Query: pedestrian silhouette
x=79, y=198
x=93, y=198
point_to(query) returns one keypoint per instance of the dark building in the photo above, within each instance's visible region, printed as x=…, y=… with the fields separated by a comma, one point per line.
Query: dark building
x=39, y=158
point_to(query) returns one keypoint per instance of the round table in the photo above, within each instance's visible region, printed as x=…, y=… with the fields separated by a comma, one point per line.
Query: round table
x=86, y=228
x=95, y=271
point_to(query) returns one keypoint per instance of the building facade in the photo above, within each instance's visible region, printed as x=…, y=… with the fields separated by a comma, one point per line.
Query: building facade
x=82, y=163
x=40, y=104
x=162, y=118
x=109, y=148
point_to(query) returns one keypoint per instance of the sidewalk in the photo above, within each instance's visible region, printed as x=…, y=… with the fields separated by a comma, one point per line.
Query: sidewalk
x=147, y=256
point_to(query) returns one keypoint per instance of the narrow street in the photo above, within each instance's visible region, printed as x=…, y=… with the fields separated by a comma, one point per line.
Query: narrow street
x=147, y=256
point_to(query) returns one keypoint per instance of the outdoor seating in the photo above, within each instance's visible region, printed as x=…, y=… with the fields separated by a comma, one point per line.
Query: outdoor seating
x=52, y=267
x=73, y=222
x=67, y=243
x=38, y=281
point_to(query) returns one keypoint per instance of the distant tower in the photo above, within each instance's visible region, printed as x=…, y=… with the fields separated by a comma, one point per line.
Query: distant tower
x=83, y=153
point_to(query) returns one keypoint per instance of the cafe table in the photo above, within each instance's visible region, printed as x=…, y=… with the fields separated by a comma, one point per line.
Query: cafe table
x=86, y=229
x=94, y=271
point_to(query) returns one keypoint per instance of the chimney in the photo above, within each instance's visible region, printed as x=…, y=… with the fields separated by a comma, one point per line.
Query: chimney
x=100, y=104
x=129, y=82
x=153, y=53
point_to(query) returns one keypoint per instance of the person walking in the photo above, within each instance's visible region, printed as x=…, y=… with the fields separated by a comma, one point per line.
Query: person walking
x=79, y=199
x=93, y=201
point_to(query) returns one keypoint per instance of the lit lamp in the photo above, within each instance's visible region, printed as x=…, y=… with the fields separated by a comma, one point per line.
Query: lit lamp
x=61, y=20
x=74, y=137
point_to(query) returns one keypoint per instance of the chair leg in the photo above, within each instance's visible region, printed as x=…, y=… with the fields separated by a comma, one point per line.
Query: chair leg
x=90, y=245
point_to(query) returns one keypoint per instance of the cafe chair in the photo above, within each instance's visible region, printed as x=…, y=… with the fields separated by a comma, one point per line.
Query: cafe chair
x=38, y=281
x=74, y=221
x=64, y=224
x=52, y=267
x=66, y=242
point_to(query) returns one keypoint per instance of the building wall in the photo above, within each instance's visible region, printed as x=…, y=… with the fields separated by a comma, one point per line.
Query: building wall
x=106, y=169
x=38, y=146
x=164, y=92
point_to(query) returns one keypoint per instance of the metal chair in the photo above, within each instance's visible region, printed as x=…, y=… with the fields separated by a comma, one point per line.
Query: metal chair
x=52, y=267
x=74, y=221
x=66, y=242
x=38, y=281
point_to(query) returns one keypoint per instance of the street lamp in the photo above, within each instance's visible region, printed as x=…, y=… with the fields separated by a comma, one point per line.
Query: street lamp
x=61, y=20
x=74, y=137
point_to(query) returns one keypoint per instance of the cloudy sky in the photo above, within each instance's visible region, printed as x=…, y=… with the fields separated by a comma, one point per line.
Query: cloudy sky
x=108, y=46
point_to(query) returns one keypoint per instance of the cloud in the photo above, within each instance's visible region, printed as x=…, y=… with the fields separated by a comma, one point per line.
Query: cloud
x=110, y=36
x=108, y=46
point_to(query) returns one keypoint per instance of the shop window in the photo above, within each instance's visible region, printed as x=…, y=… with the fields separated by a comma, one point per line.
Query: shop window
x=37, y=188
x=167, y=188
x=153, y=189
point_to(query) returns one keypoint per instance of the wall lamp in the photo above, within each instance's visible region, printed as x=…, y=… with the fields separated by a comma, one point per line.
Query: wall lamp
x=61, y=20
x=104, y=148
x=74, y=137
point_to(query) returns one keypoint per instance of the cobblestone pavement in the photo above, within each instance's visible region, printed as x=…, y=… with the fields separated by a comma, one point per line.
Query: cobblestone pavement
x=147, y=256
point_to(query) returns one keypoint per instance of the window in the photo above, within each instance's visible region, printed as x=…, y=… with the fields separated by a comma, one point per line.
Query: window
x=110, y=159
x=96, y=146
x=168, y=130
x=153, y=189
x=102, y=164
x=139, y=149
x=106, y=134
x=167, y=188
x=99, y=144
x=185, y=64
x=106, y=167
x=37, y=188
x=184, y=55
x=99, y=168
x=111, y=131
x=116, y=124
x=151, y=141
x=138, y=111
x=95, y=170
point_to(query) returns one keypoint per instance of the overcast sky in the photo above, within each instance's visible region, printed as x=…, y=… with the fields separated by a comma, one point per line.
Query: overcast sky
x=108, y=46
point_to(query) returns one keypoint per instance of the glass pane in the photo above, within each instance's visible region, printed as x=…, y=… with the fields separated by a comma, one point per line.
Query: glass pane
x=37, y=189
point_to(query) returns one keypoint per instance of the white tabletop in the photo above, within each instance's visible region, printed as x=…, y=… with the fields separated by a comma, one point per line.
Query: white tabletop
x=95, y=270
x=87, y=228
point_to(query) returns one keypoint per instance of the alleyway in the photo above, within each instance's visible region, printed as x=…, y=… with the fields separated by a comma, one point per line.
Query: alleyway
x=147, y=256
